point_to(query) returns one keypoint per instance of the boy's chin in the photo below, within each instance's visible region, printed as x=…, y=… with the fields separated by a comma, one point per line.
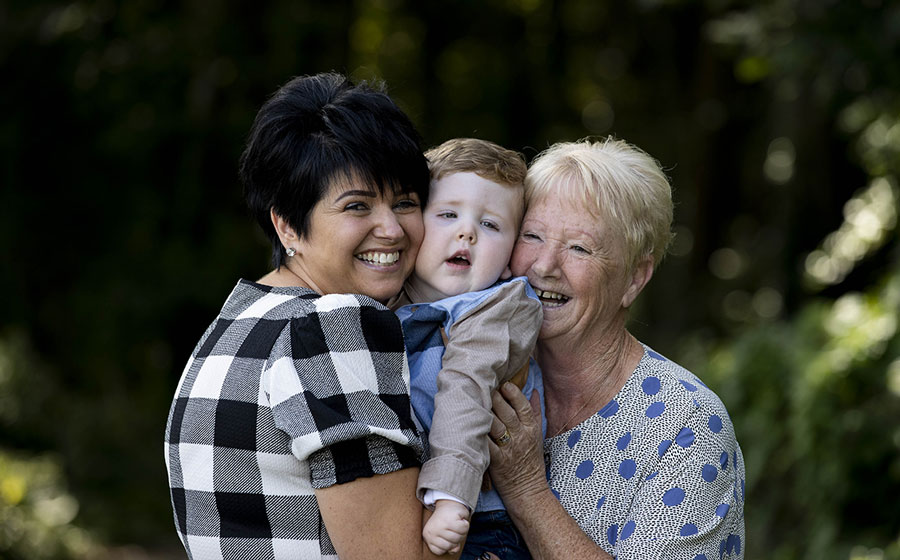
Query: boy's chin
x=446, y=288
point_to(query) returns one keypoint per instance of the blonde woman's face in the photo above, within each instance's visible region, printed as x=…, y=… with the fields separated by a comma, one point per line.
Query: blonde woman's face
x=575, y=263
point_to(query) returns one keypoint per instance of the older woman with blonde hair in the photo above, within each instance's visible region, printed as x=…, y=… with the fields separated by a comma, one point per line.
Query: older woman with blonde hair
x=640, y=459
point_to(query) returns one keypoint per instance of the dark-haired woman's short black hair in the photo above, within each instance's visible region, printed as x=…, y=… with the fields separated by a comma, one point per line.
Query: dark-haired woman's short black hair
x=317, y=129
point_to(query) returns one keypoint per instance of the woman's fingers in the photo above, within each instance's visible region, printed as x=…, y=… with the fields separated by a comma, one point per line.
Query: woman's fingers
x=514, y=416
x=517, y=462
x=510, y=406
x=517, y=399
x=498, y=428
x=502, y=409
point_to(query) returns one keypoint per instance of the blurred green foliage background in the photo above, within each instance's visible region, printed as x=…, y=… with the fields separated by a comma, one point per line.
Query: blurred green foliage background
x=122, y=228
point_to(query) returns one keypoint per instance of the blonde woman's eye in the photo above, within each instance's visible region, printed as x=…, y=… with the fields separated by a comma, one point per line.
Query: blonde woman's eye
x=531, y=236
x=580, y=249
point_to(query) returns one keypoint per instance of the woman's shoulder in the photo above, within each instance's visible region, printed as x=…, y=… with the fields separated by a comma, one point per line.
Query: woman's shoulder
x=665, y=393
x=290, y=302
x=346, y=302
x=279, y=321
x=656, y=372
x=254, y=300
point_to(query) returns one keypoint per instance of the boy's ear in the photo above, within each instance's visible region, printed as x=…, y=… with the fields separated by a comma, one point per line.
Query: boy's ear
x=507, y=274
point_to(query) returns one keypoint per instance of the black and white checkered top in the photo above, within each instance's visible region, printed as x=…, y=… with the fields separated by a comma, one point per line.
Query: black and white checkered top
x=287, y=391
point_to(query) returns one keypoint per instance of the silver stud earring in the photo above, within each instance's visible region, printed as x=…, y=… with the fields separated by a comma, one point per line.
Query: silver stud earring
x=290, y=251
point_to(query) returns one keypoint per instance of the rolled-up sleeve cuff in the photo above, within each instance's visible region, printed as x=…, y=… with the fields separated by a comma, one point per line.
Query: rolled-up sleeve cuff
x=450, y=475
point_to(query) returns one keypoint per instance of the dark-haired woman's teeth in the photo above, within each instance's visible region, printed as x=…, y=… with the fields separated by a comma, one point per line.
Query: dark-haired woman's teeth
x=379, y=258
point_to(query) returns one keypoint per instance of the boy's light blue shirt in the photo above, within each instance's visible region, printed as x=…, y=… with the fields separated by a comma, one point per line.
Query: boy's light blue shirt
x=422, y=323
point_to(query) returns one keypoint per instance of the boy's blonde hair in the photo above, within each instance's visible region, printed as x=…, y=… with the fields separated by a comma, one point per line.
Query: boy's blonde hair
x=486, y=159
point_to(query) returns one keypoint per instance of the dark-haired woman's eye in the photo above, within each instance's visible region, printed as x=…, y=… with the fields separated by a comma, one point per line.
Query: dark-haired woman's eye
x=356, y=207
x=406, y=204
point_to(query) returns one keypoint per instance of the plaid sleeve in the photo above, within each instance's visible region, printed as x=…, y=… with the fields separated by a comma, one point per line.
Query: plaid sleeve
x=339, y=387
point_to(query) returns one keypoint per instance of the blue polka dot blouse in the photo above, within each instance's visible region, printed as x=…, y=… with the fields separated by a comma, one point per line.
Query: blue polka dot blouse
x=655, y=473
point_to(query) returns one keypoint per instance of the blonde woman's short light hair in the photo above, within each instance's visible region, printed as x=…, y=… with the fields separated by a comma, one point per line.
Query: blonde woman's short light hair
x=614, y=180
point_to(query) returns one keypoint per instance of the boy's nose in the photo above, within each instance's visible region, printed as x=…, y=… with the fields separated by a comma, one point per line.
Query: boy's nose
x=467, y=234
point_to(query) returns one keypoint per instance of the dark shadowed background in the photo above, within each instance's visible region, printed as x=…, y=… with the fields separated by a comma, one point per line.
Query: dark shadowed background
x=122, y=228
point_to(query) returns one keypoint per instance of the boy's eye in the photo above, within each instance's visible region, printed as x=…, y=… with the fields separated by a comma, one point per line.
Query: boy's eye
x=447, y=214
x=490, y=225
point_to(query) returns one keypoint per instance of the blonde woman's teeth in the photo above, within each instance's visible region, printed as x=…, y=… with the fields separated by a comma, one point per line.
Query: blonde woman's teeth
x=554, y=298
x=379, y=258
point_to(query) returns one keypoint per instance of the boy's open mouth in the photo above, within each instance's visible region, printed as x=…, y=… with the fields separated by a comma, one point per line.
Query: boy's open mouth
x=460, y=258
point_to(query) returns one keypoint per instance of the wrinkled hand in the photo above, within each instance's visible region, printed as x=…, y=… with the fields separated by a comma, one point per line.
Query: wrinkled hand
x=517, y=468
x=447, y=527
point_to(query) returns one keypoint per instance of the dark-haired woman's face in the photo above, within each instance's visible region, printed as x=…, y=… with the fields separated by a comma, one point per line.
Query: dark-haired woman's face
x=361, y=242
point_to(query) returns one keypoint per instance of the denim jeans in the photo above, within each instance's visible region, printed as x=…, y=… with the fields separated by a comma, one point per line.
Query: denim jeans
x=493, y=531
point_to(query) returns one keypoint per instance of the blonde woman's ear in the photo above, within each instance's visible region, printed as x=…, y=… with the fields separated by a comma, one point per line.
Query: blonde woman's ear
x=639, y=278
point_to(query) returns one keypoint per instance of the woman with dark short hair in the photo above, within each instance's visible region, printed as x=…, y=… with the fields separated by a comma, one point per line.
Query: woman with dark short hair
x=291, y=434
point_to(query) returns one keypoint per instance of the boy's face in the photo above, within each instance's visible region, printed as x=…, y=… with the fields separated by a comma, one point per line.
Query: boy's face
x=471, y=225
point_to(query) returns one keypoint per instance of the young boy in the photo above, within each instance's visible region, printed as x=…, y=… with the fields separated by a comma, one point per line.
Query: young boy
x=466, y=335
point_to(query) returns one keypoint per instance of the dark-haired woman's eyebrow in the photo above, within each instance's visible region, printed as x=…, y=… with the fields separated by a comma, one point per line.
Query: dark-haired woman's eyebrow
x=345, y=194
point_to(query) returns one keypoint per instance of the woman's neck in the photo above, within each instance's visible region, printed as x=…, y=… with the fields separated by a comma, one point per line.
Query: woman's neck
x=577, y=384
x=283, y=276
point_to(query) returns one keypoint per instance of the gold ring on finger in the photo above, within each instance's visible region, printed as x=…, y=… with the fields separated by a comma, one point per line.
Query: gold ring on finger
x=504, y=439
